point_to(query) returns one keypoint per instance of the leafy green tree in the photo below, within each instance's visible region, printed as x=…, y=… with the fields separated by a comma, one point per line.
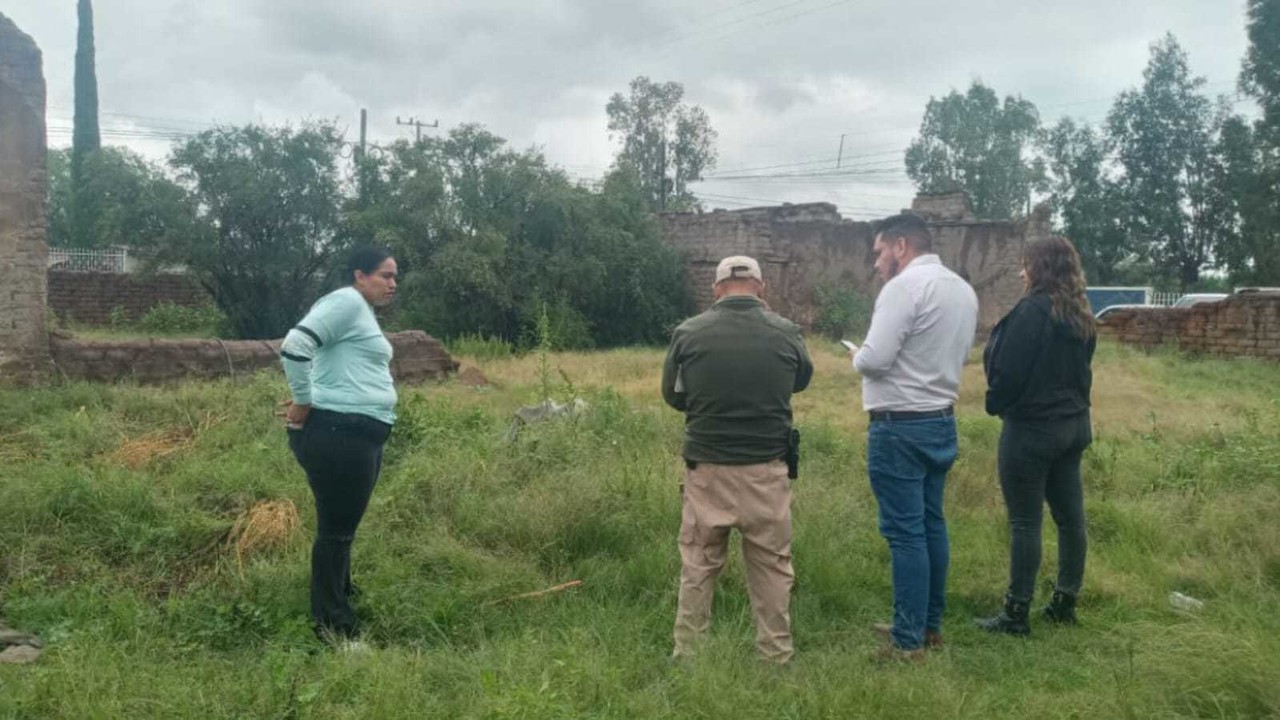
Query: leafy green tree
x=1260, y=76
x=60, y=201
x=85, y=138
x=131, y=199
x=490, y=237
x=975, y=143
x=1251, y=156
x=666, y=144
x=1249, y=252
x=1163, y=134
x=1088, y=202
x=270, y=201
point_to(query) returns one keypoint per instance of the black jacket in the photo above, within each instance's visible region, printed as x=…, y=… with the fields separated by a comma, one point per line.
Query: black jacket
x=1037, y=368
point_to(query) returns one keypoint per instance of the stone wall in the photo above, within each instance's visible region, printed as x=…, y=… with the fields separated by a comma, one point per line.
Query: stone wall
x=418, y=357
x=89, y=298
x=1247, y=324
x=24, y=342
x=801, y=247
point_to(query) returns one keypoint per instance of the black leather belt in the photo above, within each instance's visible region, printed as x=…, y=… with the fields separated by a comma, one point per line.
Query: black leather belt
x=903, y=415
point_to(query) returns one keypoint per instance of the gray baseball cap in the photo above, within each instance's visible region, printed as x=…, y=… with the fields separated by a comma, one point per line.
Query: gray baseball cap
x=738, y=267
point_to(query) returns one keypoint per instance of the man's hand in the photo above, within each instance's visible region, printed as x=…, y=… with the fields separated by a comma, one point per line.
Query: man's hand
x=295, y=416
x=853, y=349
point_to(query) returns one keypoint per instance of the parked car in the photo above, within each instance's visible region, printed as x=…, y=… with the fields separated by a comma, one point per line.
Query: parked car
x=1112, y=308
x=1185, y=301
x=1198, y=298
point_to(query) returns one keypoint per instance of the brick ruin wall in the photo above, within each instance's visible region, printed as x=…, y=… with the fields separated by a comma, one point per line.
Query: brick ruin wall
x=803, y=247
x=418, y=357
x=90, y=298
x=1247, y=324
x=24, y=341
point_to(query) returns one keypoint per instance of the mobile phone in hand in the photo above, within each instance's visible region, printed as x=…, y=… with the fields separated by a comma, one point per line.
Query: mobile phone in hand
x=851, y=346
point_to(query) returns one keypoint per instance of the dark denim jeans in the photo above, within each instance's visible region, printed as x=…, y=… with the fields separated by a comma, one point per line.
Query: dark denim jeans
x=1040, y=461
x=342, y=456
x=908, y=463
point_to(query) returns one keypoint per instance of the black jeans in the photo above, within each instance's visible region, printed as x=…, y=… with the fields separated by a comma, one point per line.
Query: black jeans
x=1040, y=461
x=342, y=455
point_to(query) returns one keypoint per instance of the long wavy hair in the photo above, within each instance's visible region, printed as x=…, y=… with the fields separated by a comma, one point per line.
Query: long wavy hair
x=1053, y=268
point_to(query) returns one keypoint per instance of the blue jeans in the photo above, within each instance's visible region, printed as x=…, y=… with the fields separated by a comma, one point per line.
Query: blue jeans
x=908, y=463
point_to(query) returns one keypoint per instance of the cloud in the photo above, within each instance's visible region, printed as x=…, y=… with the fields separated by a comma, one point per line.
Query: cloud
x=782, y=80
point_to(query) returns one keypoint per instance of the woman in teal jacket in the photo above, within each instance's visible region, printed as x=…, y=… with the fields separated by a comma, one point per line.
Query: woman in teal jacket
x=338, y=364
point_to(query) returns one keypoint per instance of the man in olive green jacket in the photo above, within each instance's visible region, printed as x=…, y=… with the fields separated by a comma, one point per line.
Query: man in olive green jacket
x=732, y=371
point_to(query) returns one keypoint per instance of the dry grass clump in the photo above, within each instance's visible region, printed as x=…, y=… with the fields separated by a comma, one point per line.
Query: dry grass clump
x=140, y=451
x=15, y=446
x=144, y=449
x=266, y=526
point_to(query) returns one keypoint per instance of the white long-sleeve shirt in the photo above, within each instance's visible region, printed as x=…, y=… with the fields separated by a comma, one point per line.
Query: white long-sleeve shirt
x=921, y=333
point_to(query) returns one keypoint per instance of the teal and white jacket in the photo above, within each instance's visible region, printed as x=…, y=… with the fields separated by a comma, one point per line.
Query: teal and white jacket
x=337, y=358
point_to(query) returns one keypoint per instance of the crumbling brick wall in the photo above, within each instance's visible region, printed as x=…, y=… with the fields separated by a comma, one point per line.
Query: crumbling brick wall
x=802, y=247
x=24, y=341
x=418, y=357
x=90, y=298
x=1246, y=324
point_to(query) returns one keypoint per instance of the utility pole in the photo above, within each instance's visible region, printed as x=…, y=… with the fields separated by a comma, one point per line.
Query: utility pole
x=364, y=127
x=662, y=177
x=360, y=154
x=417, y=126
x=840, y=155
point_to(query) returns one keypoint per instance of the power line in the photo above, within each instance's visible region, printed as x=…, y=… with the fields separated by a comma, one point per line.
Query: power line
x=872, y=166
x=785, y=19
x=731, y=23
x=787, y=202
x=842, y=173
x=149, y=119
x=818, y=161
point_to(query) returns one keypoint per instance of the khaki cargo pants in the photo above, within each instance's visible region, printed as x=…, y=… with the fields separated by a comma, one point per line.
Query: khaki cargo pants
x=756, y=499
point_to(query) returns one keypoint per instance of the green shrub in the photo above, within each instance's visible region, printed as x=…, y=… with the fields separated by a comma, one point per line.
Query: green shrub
x=170, y=318
x=118, y=318
x=842, y=312
x=481, y=347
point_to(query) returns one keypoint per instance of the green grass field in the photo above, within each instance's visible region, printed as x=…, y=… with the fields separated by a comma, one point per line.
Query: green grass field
x=116, y=503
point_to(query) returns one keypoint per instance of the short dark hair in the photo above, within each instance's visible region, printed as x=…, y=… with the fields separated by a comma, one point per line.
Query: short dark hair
x=909, y=226
x=365, y=259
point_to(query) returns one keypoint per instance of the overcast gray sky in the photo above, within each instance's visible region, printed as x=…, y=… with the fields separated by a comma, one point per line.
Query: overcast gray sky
x=781, y=79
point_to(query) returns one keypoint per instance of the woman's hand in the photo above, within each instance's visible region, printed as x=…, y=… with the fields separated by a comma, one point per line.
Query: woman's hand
x=295, y=416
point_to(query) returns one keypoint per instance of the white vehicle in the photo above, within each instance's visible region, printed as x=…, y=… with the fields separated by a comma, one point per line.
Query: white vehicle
x=1111, y=308
x=1198, y=298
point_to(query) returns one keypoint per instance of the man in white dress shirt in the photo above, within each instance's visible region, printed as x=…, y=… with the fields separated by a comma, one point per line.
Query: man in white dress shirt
x=921, y=333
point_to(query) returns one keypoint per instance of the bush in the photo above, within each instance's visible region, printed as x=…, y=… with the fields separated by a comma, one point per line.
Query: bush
x=842, y=312
x=169, y=318
x=480, y=347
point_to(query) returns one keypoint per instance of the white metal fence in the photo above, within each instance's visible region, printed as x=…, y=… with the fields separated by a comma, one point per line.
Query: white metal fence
x=109, y=260
x=1164, y=299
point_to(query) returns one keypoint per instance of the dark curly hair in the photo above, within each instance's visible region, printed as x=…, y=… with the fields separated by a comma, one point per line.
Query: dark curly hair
x=1053, y=268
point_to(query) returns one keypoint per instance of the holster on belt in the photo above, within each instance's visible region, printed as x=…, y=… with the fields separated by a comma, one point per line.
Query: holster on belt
x=793, y=454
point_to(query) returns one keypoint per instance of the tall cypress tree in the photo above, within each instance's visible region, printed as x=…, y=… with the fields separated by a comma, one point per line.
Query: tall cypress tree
x=85, y=137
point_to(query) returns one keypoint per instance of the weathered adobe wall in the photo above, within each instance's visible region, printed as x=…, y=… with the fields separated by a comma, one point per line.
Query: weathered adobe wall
x=1247, y=324
x=24, y=341
x=801, y=247
x=89, y=298
x=418, y=357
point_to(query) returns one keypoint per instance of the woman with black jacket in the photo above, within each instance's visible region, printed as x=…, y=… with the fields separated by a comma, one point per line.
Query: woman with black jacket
x=1038, y=380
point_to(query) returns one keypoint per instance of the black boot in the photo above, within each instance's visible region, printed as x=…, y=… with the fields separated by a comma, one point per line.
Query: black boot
x=1012, y=620
x=1061, y=609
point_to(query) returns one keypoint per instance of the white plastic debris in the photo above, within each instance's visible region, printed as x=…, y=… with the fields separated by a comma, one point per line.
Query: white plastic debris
x=544, y=411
